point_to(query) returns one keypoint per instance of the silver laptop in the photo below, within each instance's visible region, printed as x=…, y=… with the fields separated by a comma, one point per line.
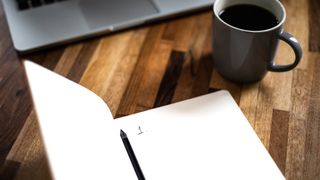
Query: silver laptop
x=36, y=24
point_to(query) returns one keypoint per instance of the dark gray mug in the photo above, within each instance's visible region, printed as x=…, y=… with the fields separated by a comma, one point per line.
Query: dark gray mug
x=244, y=55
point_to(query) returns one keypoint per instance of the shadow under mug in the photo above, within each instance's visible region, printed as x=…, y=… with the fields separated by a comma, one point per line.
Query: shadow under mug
x=245, y=56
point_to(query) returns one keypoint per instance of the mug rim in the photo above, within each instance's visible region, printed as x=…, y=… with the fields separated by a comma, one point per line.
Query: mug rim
x=252, y=31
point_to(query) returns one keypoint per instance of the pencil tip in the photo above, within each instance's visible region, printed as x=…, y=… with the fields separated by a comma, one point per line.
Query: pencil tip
x=122, y=133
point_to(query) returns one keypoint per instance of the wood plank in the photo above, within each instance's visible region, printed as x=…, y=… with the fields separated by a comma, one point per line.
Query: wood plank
x=47, y=58
x=311, y=166
x=151, y=79
x=193, y=57
x=301, y=86
x=170, y=79
x=180, y=32
x=128, y=101
x=82, y=60
x=218, y=82
x=302, y=81
x=282, y=94
x=106, y=57
x=295, y=149
x=285, y=55
x=314, y=28
x=124, y=69
x=201, y=33
x=9, y=169
x=29, y=151
x=249, y=101
x=264, y=109
x=15, y=102
x=67, y=59
x=279, y=138
x=297, y=24
x=203, y=74
x=183, y=89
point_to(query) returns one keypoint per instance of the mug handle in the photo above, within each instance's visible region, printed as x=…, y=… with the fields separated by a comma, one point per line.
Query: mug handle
x=293, y=42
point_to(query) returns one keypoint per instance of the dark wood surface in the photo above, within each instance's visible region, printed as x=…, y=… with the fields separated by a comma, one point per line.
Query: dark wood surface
x=166, y=62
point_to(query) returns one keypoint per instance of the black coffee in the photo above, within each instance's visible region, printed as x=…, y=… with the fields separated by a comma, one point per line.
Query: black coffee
x=248, y=17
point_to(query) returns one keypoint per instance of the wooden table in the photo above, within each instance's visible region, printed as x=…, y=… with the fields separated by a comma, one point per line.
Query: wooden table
x=166, y=62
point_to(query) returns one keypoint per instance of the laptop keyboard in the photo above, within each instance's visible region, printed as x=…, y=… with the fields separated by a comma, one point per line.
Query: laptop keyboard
x=27, y=4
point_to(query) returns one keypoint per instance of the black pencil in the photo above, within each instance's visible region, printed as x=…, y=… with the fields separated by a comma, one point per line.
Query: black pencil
x=131, y=155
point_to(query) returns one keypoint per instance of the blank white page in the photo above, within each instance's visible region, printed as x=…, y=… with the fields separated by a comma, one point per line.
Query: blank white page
x=77, y=128
x=207, y=137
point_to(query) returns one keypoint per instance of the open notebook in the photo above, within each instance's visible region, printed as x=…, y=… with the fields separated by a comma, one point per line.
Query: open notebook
x=206, y=137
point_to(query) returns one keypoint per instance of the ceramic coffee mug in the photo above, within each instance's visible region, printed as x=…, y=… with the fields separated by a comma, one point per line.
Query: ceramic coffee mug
x=243, y=55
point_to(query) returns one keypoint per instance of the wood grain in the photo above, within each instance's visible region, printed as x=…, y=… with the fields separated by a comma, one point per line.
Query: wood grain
x=150, y=83
x=249, y=100
x=127, y=105
x=193, y=56
x=279, y=138
x=202, y=76
x=165, y=62
x=311, y=168
x=29, y=152
x=297, y=124
x=314, y=21
x=81, y=59
x=170, y=79
x=124, y=69
x=15, y=102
